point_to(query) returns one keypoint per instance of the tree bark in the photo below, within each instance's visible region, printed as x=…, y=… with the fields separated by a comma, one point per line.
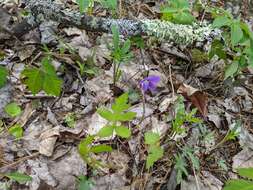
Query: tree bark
x=43, y=10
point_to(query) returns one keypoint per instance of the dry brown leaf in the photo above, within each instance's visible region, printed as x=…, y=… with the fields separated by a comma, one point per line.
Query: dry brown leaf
x=199, y=99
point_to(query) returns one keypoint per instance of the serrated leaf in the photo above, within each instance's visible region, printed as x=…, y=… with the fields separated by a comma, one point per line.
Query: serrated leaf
x=238, y=184
x=151, y=138
x=180, y=167
x=3, y=76
x=34, y=79
x=19, y=177
x=44, y=78
x=106, y=114
x=155, y=153
x=120, y=104
x=128, y=116
x=246, y=172
x=13, y=109
x=16, y=131
x=123, y=131
x=221, y=21
x=83, y=147
x=236, y=33
x=101, y=148
x=231, y=70
x=106, y=131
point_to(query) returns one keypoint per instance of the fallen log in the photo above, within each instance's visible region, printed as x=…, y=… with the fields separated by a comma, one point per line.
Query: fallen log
x=42, y=10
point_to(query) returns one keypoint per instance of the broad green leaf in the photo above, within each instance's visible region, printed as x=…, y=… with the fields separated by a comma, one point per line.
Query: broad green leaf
x=217, y=48
x=19, y=177
x=238, y=184
x=101, y=148
x=44, y=78
x=183, y=18
x=123, y=131
x=52, y=85
x=121, y=103
x=236, y=33
x=13, y=109
x=109, y=4
x=155, y=153
x=16, y=131
x=231, y=70
x=106, y=131
x=83, y=147
x=246, y=172
x=221, y=21
x=34, y=79
x=151, y=138
x=3, y=76
x=128, y=116
x=106, y=114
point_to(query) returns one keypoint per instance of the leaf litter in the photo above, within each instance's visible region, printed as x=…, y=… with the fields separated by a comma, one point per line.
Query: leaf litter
x=57, y=163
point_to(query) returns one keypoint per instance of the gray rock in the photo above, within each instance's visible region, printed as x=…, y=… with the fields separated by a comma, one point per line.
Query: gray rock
x=5, y=97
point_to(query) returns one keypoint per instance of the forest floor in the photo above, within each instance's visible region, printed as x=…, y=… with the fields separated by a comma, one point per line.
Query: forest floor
x=52, y=127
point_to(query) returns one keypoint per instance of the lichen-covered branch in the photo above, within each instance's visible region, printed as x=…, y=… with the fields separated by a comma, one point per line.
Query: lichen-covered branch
x=180, y=34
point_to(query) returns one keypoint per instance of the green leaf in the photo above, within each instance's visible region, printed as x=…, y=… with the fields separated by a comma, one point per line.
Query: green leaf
x=34, y=79
x=44, y=78
x=83, y=147
x=16, y=131
x=106, y=114
x=83, y=5
x=128, y=116
x=238, y=184
x=123, y=131
x=84, y=183
x=151, y=138
x=155, y=153
x=19, y=177
x=183, y=18
x=106, y=131
x=13, y=109
x=231, y=70
x=217, y=48
x=180, y=167
x=120, y=104
x=236, y=33
x=109, y=4
x=115, y=34
x=246, y=172
x=101, y=148
x=3, y=76
x=221, y=21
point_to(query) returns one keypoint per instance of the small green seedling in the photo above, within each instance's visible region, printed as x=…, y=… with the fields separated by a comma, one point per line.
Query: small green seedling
x=183, y=117
x=16, y=130
x=241, y=184
x=70, y=120
x=18, y=177
x=87, y=149
x=115, y=116
x=86, y=6
x=3, y=76
x=43, y=78
x=155, y=151
x=120, y=53
x=84, y=183
x=13, y=109
x=181, y=165
x=177, y=11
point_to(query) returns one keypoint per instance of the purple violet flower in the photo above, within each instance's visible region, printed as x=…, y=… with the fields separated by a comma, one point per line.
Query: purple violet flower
x=149, y=83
